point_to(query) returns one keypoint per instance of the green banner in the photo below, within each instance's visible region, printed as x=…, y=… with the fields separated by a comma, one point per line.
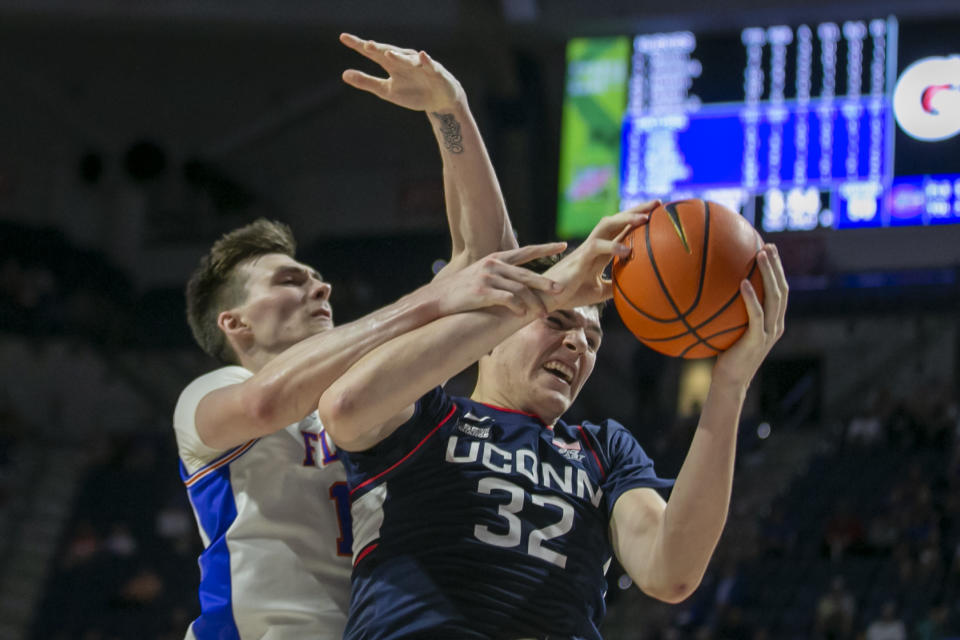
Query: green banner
x=595, y=98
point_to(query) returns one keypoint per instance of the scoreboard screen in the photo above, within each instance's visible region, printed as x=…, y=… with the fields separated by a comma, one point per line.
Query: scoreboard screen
x=799, y=127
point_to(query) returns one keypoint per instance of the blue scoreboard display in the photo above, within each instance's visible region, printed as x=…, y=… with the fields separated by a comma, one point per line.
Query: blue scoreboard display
x=821, y=125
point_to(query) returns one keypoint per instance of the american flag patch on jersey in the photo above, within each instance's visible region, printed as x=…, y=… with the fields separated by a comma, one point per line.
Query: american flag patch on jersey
x=569, y=450
x=569, y=446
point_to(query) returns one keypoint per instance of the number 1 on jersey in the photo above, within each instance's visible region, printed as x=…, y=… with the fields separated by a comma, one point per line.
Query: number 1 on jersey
x=340, y=494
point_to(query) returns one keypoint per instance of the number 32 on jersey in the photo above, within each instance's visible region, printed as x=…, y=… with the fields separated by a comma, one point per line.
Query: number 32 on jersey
x=509, y=511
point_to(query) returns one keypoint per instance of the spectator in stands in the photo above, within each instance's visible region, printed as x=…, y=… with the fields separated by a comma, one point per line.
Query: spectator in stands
x=703, y=633
x=930, y=560
x=866, y=428
x=29, y=297
x=907, y=578
x=142, y=590
x=777, y=537
x=888, y=626
x=12, y=429
x=941, y=417
x=934, y=625
x=175, y=525
x=722, y=588
x=83, y=545
x=732, y=625
x=120, y=541
x=882, y=533
x=902, y=427
x=835, y=612
x=843, y=531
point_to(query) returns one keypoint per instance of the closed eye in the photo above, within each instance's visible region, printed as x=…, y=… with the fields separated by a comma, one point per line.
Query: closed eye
x=294, y=277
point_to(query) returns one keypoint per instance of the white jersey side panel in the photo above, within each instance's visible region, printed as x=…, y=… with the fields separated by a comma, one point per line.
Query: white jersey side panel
x=274, y=517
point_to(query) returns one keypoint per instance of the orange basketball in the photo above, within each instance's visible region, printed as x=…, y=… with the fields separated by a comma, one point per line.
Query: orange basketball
x=679, y=290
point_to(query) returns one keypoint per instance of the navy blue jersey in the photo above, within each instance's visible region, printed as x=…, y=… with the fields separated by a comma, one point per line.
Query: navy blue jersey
x=472, y=521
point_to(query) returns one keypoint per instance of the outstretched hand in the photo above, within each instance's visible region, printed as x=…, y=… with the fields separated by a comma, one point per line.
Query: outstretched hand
x=496, y=280
x=414, y=80
x=740, y=362
x=581, y=272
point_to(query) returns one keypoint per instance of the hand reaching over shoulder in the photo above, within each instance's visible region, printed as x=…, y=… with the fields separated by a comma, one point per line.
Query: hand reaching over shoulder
x=581, y=272
x=414, y=79
x=497, y=280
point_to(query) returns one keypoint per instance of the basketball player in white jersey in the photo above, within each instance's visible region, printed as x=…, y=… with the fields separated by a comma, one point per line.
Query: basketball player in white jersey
x=267, y=487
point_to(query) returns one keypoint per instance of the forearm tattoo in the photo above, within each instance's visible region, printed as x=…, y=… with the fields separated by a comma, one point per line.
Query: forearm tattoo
x=450, y=128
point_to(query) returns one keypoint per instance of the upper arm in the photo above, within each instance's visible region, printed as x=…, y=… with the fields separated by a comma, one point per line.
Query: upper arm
x=635, y=525
x=371, y=437
x=223, y=409
x=207, y=419
x=231, y=415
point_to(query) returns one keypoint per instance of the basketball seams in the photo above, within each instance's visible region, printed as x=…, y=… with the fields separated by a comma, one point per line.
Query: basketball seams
x=726, y=305
x=660, y=282
x=732, y=299
x=646, y=315
x=713, y=317
x=682, y=315
x=703, y=258
x=711, y=337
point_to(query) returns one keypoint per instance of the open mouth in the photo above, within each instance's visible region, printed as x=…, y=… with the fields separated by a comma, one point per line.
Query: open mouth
x=559, y=370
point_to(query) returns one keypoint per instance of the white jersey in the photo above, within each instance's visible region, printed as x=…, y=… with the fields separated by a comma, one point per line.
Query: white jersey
x=274, y=516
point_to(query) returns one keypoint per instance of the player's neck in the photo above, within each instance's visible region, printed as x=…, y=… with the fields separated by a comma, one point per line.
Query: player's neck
x=255, y=360
x=499, y=400
x=492, y=397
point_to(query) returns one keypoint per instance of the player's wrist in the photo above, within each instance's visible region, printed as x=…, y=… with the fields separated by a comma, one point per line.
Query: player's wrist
x=425, y=304
x=728, y=384
x=551, y=301
x=454, y=104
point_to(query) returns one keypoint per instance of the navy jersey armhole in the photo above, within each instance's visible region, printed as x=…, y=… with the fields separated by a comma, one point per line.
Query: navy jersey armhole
x=368, y=466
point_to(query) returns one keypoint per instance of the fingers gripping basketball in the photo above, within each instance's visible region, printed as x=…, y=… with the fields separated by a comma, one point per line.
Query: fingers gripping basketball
x=679, y=290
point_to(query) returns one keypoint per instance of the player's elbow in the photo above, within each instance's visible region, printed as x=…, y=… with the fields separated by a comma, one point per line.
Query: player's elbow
x=669, y=584
x=338, y=413
x=671, y=592
x=260, y=405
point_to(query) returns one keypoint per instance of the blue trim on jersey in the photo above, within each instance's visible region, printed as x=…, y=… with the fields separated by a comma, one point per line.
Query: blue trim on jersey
x=212, y=499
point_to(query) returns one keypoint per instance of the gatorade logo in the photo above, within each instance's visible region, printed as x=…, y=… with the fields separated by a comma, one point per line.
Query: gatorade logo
x=926, y=100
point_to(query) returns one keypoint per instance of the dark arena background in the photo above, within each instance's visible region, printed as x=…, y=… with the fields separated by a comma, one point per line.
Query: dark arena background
x=133, y=134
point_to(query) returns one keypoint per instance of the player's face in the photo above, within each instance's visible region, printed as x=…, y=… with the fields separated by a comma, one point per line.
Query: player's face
x=542, y=367
x=286, y=301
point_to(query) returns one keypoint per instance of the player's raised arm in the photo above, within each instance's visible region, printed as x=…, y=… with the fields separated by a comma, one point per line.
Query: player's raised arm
x=377, y=394
x=665, y=547
x=476, y=211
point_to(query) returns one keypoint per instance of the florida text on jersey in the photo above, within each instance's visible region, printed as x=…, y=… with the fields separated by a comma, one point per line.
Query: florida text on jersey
x=472, y=521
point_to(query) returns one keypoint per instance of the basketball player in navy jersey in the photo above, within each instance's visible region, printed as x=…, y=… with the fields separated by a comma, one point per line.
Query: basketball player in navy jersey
x=491, y=517
x=264, y=479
